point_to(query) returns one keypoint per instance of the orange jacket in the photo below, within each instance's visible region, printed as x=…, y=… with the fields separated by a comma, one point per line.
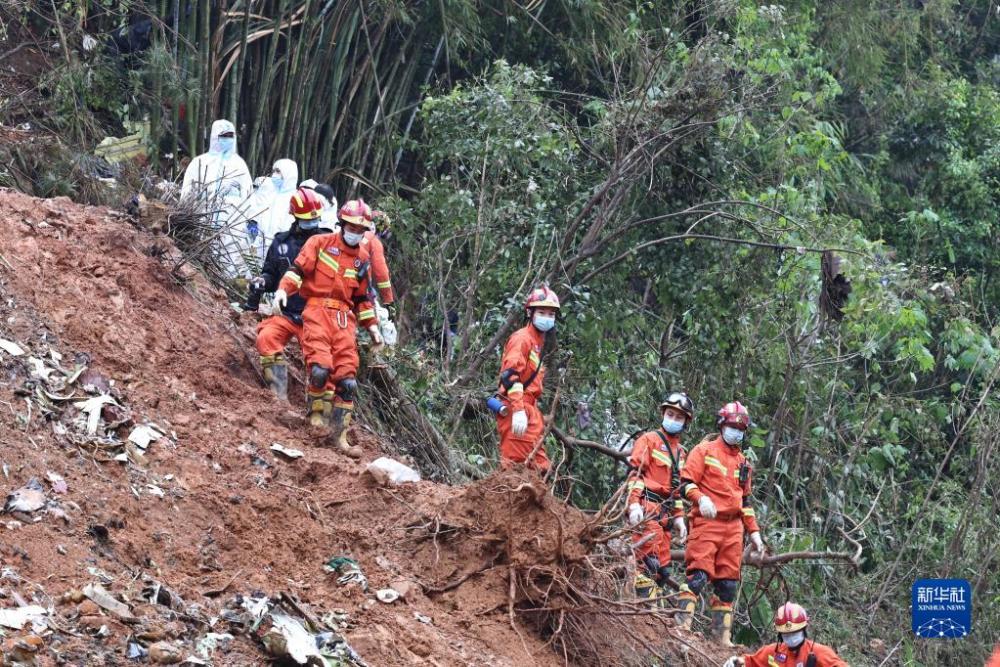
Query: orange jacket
x=713, y=469
x=779, y=655
x=654, y=469
x=380, y=268
x=327, y=268
x=522, y=355
x=994, y=660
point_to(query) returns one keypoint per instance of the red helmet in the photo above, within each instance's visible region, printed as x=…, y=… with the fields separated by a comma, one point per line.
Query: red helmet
x=542, y=297
x=305, y=204
x=790, y=618
x=734, y=414
x=357, y=212
x=680, y=401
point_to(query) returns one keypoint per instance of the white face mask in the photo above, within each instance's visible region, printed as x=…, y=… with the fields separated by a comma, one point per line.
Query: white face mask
x=543, y=322
x=732, y=436
x=352, y=239
x=794, y=639
x=672, y=426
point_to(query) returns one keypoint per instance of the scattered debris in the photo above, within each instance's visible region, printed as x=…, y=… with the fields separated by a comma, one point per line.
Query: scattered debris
x=107, y=602
x=422, y=618
x=213, y=642
x=11, y=348
x=165, y=653
x=93, y=407
x=17, y=617
x=143, y=434
x=387, y=595
x=287, y=451
x=57, y=482
x=29, y=498
x=389, y=471
x=349, y=570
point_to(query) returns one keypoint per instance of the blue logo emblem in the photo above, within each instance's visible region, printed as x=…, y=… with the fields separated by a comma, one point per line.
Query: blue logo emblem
x=941, y=608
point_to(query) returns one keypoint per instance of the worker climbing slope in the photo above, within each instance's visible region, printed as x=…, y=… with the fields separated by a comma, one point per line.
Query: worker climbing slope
x=331, y=274
x=657, y=459
x=522, y=376
x=274, y=333
x=793, y=647
x=717, y=480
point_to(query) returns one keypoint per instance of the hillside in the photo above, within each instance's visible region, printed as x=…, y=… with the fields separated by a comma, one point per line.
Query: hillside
x=208, y=512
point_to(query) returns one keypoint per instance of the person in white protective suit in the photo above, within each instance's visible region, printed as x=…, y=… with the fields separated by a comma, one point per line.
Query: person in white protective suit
x=270, y=206
x=330, y=204
x=220, y=181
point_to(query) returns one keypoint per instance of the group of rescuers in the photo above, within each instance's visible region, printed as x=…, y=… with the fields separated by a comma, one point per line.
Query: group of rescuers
x=327, y=270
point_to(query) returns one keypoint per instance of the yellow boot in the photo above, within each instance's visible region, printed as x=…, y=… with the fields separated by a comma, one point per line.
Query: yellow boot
x=686, y=602
x=645, y=588
x=342, y=417
x=276, y=374
x=722, y=623
x=320, y=408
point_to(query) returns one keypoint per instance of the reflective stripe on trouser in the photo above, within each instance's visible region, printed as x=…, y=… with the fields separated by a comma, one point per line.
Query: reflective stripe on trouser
x=516, y=448
x=274, y=333
x=328, y=340
x=716, y=547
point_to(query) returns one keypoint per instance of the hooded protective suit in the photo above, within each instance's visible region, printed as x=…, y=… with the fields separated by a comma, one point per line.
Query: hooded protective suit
x=271, y=202
x=220, y=181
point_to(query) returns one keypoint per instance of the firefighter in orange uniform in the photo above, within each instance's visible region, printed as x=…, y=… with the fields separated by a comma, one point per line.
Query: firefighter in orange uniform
x=793, y=648
x=994, y=660
x=274, y=332
x=657, y=459
x=717, y=480
x=380, y=268
x=521, y=424
x=331, y=274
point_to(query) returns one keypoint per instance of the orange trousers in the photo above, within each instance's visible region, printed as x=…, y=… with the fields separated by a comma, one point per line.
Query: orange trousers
x=274, y=333
x=658, y=543
x=329, y=339
x=517, y=448
x=715, y=546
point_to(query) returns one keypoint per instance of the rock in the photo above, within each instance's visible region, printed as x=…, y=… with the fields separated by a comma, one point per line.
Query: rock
x=406, y=589
x=91, y=622
x=88, y=608
x=165, y=653
x=73, y=596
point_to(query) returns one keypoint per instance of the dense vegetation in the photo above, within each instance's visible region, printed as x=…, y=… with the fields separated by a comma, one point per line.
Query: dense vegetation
x=674, y=171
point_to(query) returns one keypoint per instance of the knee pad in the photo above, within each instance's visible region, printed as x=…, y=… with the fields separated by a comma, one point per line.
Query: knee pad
x=696, y=580
x=318, y=375
x=726, y=589
x=347, y=388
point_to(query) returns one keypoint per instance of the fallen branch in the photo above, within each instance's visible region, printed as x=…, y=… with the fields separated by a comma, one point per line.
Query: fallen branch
x=787, y=557
x=570, y=441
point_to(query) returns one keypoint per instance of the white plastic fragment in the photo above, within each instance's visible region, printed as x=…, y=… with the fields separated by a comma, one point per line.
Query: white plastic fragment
x=93, y=407
x=287, y=451
x=11, y=348
x=143, y=434
x=106, y=601
x=387, y=595
x=17, y=617
x=390, y=471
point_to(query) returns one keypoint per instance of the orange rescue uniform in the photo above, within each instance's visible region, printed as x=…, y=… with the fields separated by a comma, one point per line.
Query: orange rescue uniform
x=715, y=546
x=653, y=484
x=994, y=660
x=380, y=268
x=333, y=279
x=522, y=359
x=274, y=333
x=779, y=655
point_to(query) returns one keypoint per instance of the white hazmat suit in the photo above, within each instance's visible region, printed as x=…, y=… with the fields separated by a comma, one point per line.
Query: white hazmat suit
x=220, y=181
x=271, y=203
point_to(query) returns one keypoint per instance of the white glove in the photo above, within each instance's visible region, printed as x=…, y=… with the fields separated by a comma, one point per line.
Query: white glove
x=757, y=541
x=519, y=422
x=280, y=300
x=706, y=507
x=635, y=513
x=682, y=529
x=389, y=333
x=377, y=342
x=734, y=661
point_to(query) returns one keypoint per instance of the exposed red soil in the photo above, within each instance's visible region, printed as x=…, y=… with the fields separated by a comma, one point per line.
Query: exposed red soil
x=82, y=280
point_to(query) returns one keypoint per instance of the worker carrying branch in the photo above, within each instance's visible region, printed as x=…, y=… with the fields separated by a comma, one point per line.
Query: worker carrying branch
x=654, y=505
x=793, y=647
x=332, y=274
x=717, y=480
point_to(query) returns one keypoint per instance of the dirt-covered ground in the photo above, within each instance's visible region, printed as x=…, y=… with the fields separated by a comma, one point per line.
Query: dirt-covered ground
x=209, y=512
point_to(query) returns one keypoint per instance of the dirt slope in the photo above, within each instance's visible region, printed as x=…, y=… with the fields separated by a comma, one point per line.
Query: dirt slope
x=208, y=508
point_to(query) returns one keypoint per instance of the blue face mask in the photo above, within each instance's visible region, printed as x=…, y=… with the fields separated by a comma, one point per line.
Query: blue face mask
x=309, y=224
x=732, y=436
x=544, y=322
x=672, y=426
x=279, y=182
x=227, y=145
x=352, y=239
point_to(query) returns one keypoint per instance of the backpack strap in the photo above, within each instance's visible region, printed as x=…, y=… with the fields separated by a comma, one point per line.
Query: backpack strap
x=675, y=471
